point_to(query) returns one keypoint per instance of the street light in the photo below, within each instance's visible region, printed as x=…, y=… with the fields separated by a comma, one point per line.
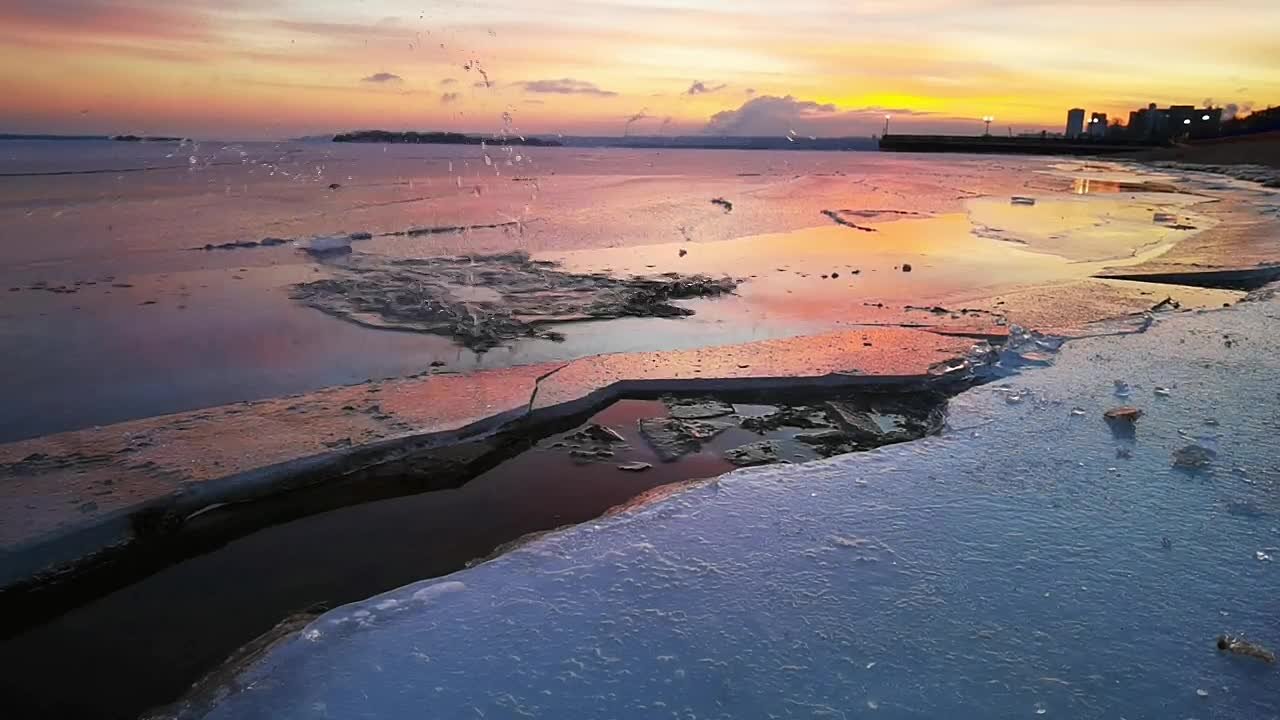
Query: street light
x=988, y=119
x=1188, y=121
x=887, y=118
x=1205, y=117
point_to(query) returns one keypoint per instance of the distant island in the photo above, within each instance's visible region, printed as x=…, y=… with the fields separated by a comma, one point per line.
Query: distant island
x=145, y=138
x=435, y=138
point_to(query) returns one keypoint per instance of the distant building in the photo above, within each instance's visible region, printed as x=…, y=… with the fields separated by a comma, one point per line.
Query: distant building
x=1175, y=122
x=1190, y=121
x=1075, y=123
x=1098, y=125
x=1147, y=124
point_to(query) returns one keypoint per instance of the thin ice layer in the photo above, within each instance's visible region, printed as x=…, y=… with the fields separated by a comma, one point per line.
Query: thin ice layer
x=1028, y=562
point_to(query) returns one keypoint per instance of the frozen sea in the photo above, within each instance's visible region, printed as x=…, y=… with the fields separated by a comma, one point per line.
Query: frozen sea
x=114, y=311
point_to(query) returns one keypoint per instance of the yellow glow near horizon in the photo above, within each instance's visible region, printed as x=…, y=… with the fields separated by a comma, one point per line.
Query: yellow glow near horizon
x=604, y=66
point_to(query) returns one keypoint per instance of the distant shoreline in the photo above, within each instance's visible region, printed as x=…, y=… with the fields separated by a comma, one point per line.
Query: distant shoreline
x=112, y=138
x=632, y=142
x=45, y=136
x=635, y=142
x=434, y=138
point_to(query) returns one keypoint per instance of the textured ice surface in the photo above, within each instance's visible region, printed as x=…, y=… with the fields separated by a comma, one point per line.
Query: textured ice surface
x=1013, y=567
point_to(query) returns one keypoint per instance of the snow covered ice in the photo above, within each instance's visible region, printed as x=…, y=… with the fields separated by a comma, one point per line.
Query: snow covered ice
x=1013, y=567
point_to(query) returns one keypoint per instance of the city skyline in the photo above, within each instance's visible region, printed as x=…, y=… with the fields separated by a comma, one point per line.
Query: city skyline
x=280, y=68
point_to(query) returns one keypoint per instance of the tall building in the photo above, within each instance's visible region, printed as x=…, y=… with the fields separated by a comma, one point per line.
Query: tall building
x=1098, y=125
x=1075, y=123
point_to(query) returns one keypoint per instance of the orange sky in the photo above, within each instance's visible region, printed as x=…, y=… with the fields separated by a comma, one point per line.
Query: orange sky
x=277, y=68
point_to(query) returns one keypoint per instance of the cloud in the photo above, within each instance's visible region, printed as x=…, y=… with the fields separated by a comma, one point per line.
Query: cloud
x=564, y=86
x=1241, y=109
x=766, y=115
x=749, y=92
x=700, y=88
x=382, y=77
x=446, y=98
x=447, y=82
x=143, y=19
x=385, y=29
x=773, y=115
x=151, y=29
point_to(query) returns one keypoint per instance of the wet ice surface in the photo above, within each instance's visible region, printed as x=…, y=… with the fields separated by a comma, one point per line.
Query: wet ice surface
x=1028, y=562
x=112, y=314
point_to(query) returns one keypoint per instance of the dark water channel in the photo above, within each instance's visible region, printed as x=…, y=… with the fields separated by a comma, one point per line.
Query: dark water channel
x=144, y=644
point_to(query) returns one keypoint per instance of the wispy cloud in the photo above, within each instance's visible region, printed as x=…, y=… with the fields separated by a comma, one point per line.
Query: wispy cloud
x=387, y=29
x=449, y=97
x=565, y=86
x=448, y=81
x=701, y=88
x=143, y=19
x=382, y=77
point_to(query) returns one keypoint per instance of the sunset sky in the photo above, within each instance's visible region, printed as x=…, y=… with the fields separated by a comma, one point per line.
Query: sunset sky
x=278, y=68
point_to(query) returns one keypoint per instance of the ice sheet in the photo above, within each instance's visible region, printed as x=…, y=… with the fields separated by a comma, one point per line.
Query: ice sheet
x=1020, y=565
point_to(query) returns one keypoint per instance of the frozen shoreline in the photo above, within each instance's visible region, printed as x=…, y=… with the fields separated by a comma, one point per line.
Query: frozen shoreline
x=1028, y=542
